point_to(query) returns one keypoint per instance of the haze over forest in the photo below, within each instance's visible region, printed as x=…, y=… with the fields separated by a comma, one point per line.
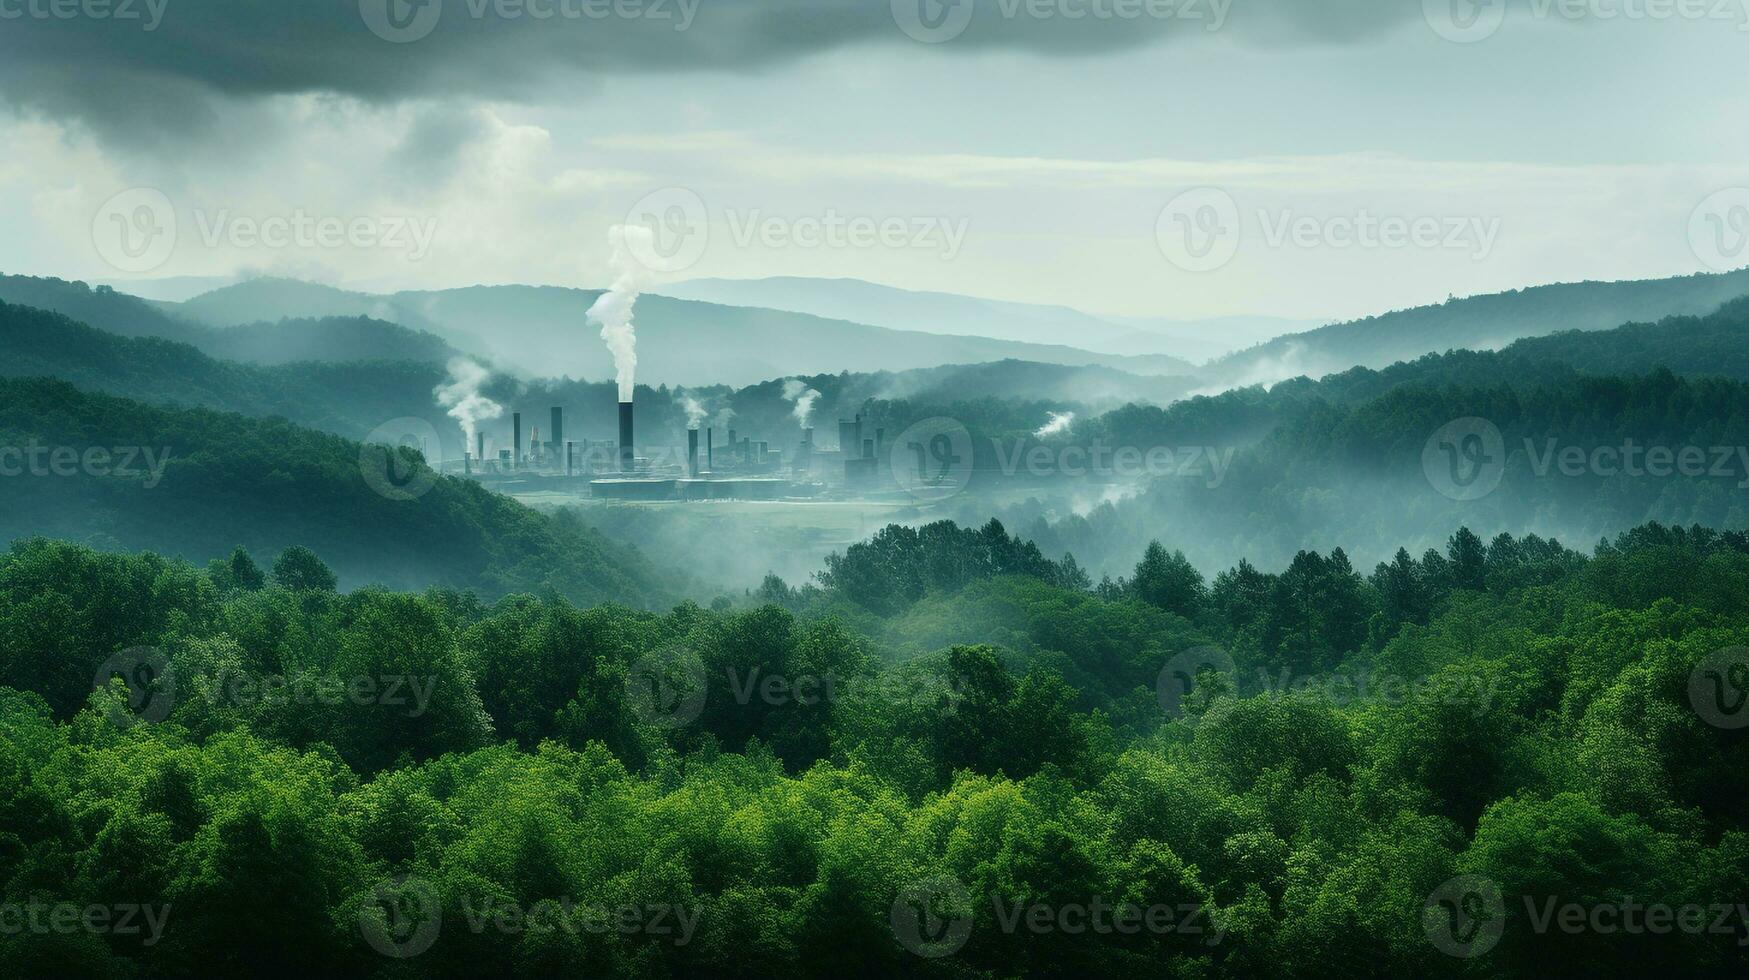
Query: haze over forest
x=926, y=488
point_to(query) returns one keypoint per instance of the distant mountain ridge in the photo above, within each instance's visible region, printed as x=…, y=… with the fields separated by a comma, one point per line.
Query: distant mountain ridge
x=544, y=331
x=951, y=313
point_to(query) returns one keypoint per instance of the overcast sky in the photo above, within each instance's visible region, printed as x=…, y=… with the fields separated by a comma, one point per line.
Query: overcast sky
x=1199, y=159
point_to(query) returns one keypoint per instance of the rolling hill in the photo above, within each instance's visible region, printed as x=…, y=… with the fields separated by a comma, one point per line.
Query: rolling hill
x=543, y=331
x=1476, y=323
x=950, y=313
x=336, y=338
x=196, y=483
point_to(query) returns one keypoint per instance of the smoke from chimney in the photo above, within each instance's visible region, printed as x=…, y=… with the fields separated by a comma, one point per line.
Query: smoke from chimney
x=613, y=310
x=695, y=413
x=461, y=396
x=804, y=398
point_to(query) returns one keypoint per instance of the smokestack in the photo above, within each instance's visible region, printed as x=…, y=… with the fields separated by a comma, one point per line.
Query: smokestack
x=710, y=450
x=808, y=436
x=467, y=463
x=692, y=453
x=570, y=459
x=626, y=455
x=480, y=446
x=558, y=429
x=516, y=439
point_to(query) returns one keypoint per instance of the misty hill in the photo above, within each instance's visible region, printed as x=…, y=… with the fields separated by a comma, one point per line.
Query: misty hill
x=209, y=481
x=1477, y=323
x=543, y=331
x=347, y=399
x=353, y=399
x=318, y=337
x=950, y=313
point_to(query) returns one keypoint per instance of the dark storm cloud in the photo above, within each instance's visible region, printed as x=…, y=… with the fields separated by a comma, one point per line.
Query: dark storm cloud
x=137, y=66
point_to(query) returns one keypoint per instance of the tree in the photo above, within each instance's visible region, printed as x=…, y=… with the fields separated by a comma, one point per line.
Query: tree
x=299, y=570
x=245, y=574
x=1169, y=582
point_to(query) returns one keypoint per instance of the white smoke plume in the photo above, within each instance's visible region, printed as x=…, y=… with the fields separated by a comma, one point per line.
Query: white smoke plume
x=725, y=415
x=695, y=413
x=613, y=310
x=804, y=397
x=1059, y=423
x=461, y=395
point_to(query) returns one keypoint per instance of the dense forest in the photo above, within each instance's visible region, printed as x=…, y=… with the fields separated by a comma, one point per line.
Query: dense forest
x=950, y=756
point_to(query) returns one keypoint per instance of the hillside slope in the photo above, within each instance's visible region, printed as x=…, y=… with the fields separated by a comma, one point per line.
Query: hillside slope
x=202, y=482
x=1477, y=323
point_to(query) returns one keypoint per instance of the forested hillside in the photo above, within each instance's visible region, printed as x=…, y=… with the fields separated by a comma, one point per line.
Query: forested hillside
x=1310, y=771
x=1477, y=323
x=194, y=483
x=334, y=339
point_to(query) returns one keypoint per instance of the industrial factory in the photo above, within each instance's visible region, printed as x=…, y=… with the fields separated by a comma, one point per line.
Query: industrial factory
x=741, y=468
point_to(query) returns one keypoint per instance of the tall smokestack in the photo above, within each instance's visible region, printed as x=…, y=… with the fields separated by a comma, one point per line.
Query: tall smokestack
x=692, y=453
x=626, y=456
x=570, y=459
x=516, y=439
x=480, y=446
x=710, y=450
x=558, y=429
